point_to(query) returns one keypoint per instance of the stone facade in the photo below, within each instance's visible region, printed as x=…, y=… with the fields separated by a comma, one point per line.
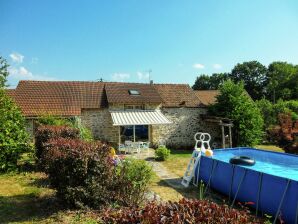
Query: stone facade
x=99, y=121
x=186, y=123
x=179, y=134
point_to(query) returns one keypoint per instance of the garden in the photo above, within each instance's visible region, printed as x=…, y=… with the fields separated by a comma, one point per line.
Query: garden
x=68, y=177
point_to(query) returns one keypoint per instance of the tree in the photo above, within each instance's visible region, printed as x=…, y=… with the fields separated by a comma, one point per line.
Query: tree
x=253, y=74
x=282, y=81
x=3, y=72
x=13, y=136
x=234, y=103
x=205, y=82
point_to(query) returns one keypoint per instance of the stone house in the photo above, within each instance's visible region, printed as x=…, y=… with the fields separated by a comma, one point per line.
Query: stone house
x=167, y=114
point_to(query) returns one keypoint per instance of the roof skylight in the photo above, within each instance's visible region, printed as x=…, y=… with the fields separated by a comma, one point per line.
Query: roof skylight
x=133, y=92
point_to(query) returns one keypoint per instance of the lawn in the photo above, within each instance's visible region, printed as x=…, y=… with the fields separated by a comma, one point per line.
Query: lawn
x=25, y=198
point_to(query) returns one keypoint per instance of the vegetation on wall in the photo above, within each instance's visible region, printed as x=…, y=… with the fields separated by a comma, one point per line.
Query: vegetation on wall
x=234, y=103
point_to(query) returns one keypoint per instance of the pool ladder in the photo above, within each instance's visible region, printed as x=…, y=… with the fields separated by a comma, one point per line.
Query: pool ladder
x=189, y=173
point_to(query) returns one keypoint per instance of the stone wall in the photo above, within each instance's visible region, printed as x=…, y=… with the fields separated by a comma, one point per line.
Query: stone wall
x=99, y=121
x=29, y=125
x=180, y=134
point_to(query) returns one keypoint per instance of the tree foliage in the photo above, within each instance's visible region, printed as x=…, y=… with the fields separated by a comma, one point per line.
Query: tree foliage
x=234, y=103
x=14, y=139
x=205, y=82
x=253, y=75
x=283, y=81
x=3, y=72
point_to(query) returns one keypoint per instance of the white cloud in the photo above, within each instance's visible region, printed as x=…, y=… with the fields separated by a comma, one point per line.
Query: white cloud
x=22, y=73
x=217, y=66
x=120, y=77
x=198, y=66
x=143, y=76
x=16, y=57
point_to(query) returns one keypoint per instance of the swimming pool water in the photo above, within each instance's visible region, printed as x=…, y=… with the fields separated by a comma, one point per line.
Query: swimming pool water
x=277, y=164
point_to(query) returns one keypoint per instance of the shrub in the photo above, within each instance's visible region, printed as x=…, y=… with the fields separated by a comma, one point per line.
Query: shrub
x=48, y=119
x=81, y=172
x=14, y=139
x=46, y=132
x=286, y=133
x=132, y=179
x=162, y=153
x=184, y=211
x=74, y=122
x=234, y=103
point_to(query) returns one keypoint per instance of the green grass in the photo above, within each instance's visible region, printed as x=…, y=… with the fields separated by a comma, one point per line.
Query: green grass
x=270, y=148
x=25, y=198
x=178, y=161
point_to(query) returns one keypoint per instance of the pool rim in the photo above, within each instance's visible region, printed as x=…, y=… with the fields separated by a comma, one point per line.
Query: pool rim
x=250, y=168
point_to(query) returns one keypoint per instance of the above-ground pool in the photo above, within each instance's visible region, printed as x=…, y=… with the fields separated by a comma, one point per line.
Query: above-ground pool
x=270, y=186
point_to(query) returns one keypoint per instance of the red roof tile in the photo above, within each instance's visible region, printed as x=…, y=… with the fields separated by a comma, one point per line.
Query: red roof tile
x=177, y=95
x=119, y=93
x=207, y=97
x=58, y=98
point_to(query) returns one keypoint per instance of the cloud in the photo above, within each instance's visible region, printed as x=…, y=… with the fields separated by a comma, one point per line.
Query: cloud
x=198, y=66
x=217, y=66
x=16, y=57
x=22, y=73
x=120, y=77
x=143, y=76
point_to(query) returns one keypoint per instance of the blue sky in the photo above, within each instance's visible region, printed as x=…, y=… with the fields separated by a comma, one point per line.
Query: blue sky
x=122, y=40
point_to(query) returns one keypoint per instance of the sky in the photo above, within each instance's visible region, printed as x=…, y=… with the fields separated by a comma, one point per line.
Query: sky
x=172, y=40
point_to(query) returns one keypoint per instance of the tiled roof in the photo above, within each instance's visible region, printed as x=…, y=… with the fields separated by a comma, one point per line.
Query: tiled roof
x=58, y=98
x=10, y=92
x=207, y=97
x=119, y=93
x=67, y=98
x=177, y=95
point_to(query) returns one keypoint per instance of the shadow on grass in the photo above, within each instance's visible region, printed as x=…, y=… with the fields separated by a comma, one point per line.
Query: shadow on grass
x=27, y=207
x=192, y=192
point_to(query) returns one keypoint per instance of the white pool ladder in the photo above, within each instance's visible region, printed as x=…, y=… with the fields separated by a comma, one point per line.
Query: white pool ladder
x=202, y=143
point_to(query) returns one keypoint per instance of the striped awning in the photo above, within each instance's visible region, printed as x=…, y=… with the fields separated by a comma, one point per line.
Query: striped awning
x=138, y=117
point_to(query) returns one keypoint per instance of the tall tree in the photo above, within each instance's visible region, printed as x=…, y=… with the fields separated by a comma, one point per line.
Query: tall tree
x=3, y=72
x=205, y=82
x=234, y=103
x=13, y=136
x=253, y=74
x=282, y=81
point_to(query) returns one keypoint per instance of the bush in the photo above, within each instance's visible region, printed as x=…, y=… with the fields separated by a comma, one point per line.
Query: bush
x=14, y=139
x=75, y=122
x=46, y=132
x=184, y=211
x=233, y=102
x=48, y=119
x=162, y=153
x=81, y=172
x=132, y=179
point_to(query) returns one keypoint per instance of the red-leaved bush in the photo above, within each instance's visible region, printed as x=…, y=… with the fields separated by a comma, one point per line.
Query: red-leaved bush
x=46, y=132
x=286, y=133
x=81, y=172
x=184, y=211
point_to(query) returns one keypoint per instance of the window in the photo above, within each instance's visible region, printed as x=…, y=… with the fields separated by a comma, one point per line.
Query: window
x=133, y=92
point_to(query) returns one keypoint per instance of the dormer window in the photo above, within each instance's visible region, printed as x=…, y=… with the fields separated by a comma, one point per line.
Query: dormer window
x=133, y=92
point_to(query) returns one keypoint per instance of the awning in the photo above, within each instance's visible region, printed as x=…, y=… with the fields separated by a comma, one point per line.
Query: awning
x=139, y=117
